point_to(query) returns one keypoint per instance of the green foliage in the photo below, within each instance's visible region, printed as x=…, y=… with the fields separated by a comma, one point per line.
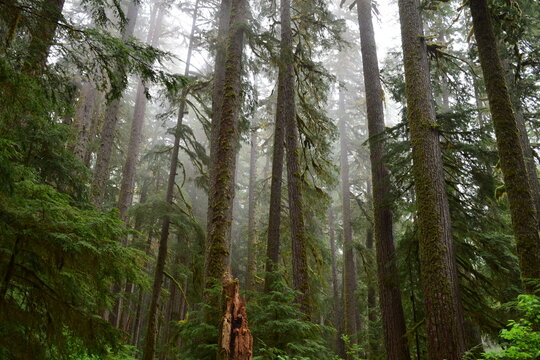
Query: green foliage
x=199, y=337
x=279, y=328
x=58, y=256
x=522, y=339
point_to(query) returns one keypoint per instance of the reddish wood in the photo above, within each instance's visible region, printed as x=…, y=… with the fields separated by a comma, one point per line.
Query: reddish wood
x=236, y=341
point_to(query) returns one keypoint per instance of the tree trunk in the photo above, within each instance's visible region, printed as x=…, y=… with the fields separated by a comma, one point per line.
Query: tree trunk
x=251, y=260
x=235, y=340
x=528, y=152
x=42, y=36
x=509, y=144
x=274, y=215
x=444, y=315
x=340, y=346
x=296, y=213
x=83, y=120
x=393, y=318
x=349, y=267
x=217, y=100
x=151, y=332
x=101, y=170
x=225, y=159
x=128, y=172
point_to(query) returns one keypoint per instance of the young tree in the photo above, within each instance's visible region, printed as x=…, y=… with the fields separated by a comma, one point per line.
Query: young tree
x=389, y=291
x=509, y=144
x=444, y=315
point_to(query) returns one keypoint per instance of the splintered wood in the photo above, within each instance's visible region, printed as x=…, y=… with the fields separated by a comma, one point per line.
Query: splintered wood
x=236, y=342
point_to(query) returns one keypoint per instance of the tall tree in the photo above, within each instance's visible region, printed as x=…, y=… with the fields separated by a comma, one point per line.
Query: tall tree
x=349, y=268
x=294, y=176
x=251, y=260
x=510, y=146
x=338, y=312
x=444, y=315
x=278, y=152
x=128, y=172
x=151, y=332
x=217, y=99
x=101, y=169
x=389, y=292
x=225, y=155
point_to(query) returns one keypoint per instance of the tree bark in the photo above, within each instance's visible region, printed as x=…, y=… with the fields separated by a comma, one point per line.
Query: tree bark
x=151, y=332
x=101, y=170
x=217, y=100
x=251, y=260
x=225, y=159
x=274, y=215
x=294, y=178
x=444, y=314
x=509, y=144
x=393, y=318
x=349, y=267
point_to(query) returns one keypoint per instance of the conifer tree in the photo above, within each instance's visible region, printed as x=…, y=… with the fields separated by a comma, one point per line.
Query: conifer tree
x=225, y=157
x=509, y=144
x=151, y=331
x=389, y=291
x=107, y=135
x=444, y=315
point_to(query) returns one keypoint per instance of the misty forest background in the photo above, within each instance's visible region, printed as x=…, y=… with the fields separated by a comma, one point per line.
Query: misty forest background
x=156, y=156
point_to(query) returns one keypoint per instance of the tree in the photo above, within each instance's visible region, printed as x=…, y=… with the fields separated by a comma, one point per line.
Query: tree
x=101, y=169
x=294, y=177
x=444, y=316
x=151, y=331
x=389, y=291
x=251, y=211
x=349, y=268
x=509, y=144
x=225, y=156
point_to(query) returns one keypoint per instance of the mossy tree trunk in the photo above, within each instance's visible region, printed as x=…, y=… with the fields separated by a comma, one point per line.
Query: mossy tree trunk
x=217, y=100
x=444, y=314
x=152, y=326
x=225, y=158
x=393, y=318
x=509, y=144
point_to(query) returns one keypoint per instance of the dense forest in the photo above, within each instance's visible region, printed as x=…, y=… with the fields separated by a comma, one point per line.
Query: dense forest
x=292, y=179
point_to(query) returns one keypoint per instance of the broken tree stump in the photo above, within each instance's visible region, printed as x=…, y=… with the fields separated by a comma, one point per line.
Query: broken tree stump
x=235, y=340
